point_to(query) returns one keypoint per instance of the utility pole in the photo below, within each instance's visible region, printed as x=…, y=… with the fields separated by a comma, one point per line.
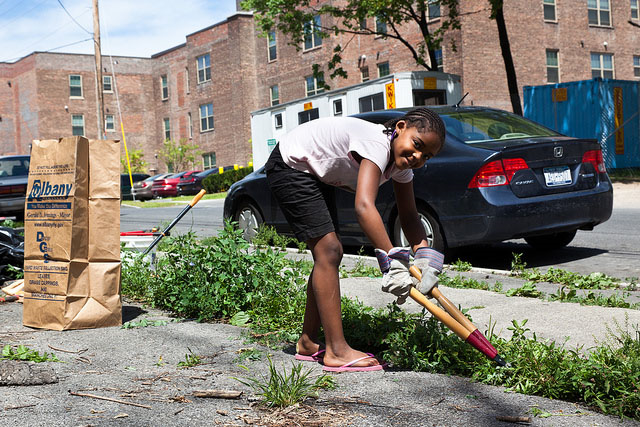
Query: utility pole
x=98, y=58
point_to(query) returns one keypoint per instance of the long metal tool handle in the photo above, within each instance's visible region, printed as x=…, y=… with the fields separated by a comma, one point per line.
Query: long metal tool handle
x=186, y=209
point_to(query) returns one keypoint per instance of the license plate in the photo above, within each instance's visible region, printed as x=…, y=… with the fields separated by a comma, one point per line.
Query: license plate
x=557, y=176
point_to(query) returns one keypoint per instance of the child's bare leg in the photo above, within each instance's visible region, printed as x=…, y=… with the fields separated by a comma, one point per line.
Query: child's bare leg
x=325, y=281
x=308, y=342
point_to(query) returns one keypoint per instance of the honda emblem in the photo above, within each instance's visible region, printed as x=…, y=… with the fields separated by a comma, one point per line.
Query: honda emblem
x=558, y=151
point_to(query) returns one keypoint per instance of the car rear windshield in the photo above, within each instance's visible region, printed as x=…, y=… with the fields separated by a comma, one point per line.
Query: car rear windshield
x=492, y=125
x=14, y=167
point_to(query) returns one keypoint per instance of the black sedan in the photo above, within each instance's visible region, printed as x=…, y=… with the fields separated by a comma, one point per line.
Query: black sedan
x=14, y=174
x=499, y=177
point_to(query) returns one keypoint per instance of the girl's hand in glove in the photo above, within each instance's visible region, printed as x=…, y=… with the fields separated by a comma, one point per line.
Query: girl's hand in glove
x=396, y=278
x=429, y=261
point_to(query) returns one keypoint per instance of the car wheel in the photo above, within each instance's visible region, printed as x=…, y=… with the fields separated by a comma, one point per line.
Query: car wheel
x=431, y=228
x=551, y=241
x=248, y=219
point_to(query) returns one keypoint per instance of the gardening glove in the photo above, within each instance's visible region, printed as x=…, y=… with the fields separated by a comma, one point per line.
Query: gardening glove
x=395, y=272
x=429, y=261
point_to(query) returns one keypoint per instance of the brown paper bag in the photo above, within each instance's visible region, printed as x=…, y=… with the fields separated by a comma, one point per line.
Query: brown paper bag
x=72, y=247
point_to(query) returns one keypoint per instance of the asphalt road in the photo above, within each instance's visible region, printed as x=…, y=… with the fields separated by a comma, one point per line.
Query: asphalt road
x=612, y=248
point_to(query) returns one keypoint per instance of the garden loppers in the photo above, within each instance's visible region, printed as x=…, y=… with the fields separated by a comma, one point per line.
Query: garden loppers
x=455, y=320
x=186, y=209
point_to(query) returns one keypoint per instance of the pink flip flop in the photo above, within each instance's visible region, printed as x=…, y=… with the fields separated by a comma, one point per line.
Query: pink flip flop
x=315, y=357
x=349, y=368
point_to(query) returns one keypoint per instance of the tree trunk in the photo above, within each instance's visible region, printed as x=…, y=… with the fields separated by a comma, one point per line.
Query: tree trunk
x=512, y=81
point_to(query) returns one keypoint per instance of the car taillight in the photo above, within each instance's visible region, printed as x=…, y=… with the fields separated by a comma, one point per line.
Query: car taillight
x=13, y=189
x=595, y=158
x=498, y=172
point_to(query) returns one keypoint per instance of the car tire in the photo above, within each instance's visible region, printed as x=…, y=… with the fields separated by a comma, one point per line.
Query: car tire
x=431, y=227
x=551, y=241
x=248, y=219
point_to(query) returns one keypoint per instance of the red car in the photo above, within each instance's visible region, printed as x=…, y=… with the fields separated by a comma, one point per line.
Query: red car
x=168, y=187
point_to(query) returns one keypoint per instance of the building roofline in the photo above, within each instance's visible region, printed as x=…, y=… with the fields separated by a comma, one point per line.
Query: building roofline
x=39, y=52
x=230, y=18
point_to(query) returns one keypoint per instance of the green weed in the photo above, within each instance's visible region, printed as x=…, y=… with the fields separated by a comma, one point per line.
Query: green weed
x=286, y=388
x=460, y=265
x=143, y=323
x=190, y=360
x=252, y=354
x=528, y=290
x=25, y=353
x=614, y=300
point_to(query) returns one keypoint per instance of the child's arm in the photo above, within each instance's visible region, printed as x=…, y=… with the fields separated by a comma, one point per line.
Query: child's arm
x=408, y=213
x=365, y=205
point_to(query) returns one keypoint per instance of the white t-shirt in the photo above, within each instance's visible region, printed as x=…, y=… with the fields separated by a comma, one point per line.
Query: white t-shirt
x=324, y=147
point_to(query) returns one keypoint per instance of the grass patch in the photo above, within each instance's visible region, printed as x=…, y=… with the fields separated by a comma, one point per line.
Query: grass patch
x=286, y=388
x=262, y=290
x=624, y=175
x=150, y=204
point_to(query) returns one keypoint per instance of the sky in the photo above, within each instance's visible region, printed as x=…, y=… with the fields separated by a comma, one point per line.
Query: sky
x=127, y=27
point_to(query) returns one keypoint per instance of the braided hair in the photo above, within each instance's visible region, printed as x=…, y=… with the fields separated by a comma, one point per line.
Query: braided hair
x=423, y=119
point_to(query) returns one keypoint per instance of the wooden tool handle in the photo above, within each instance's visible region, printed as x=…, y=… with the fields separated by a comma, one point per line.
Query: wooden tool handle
x=446, y=303
x=197, y=197
x=440, y=314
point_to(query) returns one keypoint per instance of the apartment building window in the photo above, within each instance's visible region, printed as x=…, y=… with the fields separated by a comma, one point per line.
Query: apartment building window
x=274, y=94
x=434, y=9
x=187, y=84
x=209, y=160
x=75, y=86
x=165, y=87
x=190, y=120
x=636, y=65
x=167, y=129
x=602, y=65
x=206, y=117
x=549, y=10
x=77, y=125
x=277, y=120
x=107, y=83
x=271, y=41
x=372, y=102
x=204, y=68
x=381, y=25
x=383, y=69
x=314, y=85
x=599, y=12
x=439, y=62
x=364, y=74
x=337, y=107
x=312, y=33
x=109, y=123
x=635, y=7
x=363, y=23
x=553, y=69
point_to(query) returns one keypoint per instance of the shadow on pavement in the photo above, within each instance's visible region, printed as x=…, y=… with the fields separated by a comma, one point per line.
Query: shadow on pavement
x=499, y=256
x=130, y=312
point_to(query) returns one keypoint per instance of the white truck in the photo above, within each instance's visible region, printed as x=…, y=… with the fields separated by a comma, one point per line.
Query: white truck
x=399, y=90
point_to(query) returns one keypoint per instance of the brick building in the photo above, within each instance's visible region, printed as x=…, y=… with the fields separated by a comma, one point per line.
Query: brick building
x=206, y=88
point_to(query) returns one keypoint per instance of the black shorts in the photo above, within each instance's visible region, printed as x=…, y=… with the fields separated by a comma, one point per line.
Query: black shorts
x=308, y=204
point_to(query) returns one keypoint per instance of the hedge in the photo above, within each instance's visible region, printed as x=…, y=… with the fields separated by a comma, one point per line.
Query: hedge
x=217, y=183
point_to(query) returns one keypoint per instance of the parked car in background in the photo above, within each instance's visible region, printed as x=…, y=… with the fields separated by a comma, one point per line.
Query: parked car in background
x=142, y=189
x=498, y=177
x=192, y=184
x=14, y=174
x=125, y=184
x=168, y=186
